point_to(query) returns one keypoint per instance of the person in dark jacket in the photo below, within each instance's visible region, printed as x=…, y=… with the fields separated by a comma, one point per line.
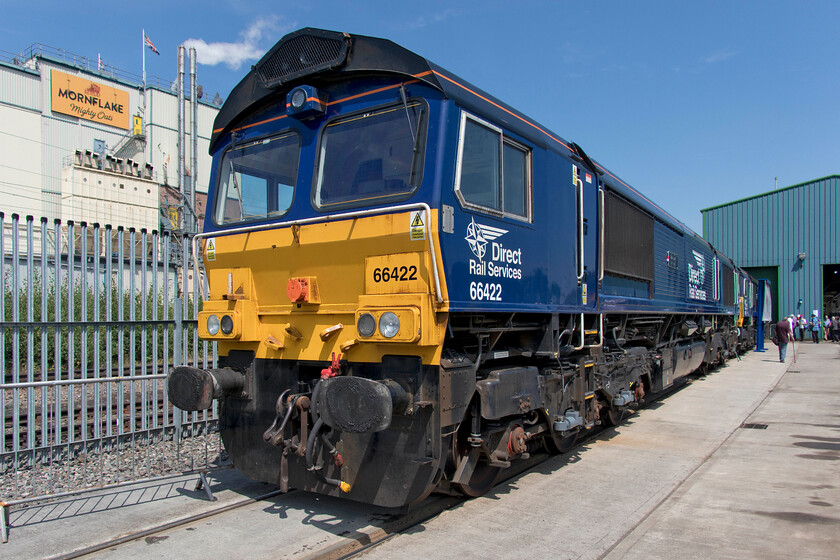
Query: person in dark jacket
x=784, y=334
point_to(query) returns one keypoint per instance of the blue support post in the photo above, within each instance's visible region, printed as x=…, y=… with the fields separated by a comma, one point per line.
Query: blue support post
x=759, y=335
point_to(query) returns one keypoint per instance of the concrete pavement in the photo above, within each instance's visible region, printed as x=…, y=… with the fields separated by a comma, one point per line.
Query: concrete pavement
x=680, y=478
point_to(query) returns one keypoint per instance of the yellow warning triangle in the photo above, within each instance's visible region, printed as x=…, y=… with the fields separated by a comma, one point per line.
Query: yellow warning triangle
x=417, y=221
x=210, y=245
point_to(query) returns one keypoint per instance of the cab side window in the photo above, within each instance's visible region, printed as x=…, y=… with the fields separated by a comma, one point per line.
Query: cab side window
x=494, y=172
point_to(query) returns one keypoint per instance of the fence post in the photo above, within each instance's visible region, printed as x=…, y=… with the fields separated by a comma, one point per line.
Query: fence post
x=177, y=356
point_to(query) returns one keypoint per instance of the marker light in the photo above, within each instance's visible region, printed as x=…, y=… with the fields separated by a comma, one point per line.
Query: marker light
x=227, y=324
x=389, y=324
x=212, y=325
x=366, y=325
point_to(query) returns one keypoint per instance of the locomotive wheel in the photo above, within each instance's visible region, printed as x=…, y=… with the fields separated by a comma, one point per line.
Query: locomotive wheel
x=612, y=416
x=483, y=478
x=558, y=445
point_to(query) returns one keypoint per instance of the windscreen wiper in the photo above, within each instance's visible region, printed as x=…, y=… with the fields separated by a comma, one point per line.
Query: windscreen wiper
x=408, y=116
x=233, y=174
x=414, y=137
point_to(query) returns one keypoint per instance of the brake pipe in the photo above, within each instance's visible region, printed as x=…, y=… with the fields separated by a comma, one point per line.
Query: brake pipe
x=310, y=459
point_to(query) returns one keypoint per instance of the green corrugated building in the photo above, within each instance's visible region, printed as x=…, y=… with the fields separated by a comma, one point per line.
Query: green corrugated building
x=789, y=236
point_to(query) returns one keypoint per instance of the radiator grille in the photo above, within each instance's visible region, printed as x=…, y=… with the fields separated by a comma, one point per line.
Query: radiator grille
x=628, y=239
x=728, y=286
x=301, y=55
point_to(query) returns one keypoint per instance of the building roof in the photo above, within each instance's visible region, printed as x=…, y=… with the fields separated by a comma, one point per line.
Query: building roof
x=769, y=193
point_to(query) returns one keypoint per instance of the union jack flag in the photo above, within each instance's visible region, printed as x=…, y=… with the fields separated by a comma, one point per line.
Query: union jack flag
x=150, y=44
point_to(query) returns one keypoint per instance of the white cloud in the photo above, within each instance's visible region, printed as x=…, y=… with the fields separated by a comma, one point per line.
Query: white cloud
x=235, y=54
x=423, y=21
x=718, y=56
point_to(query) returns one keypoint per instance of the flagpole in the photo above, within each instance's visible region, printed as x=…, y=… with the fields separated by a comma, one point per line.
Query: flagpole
x=148, y=157
x=143, y=49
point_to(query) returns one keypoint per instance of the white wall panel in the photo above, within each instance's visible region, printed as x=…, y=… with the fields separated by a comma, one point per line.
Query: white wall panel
x=20, y=162
x=20, y=88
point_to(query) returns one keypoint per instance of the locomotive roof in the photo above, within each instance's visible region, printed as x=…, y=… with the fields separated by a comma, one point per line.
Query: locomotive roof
x=316, y=56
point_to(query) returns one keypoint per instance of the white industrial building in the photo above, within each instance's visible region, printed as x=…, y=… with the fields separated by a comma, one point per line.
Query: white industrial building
x=87, y=142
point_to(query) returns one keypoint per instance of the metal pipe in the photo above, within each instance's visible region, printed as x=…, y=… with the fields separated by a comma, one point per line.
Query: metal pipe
x=83, y=334
x=16, y=361
x=45, y=432
x=3, y=307
x=80, y=381
x=57, y=332
x=71, y=335
x=181, y=185
x=97, y=342
x=30, y=332
x=194, y=140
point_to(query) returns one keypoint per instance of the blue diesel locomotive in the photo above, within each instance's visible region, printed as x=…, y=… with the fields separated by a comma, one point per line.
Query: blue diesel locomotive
x=413, y=285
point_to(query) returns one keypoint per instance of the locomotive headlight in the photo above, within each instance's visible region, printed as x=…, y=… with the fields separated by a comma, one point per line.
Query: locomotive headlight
x=220, y=323
x=366, y=325
x=389, y=324
x=213, y=325
x=396, y=324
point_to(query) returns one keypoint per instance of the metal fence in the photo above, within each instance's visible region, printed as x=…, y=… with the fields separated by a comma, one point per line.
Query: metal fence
x=93, y=318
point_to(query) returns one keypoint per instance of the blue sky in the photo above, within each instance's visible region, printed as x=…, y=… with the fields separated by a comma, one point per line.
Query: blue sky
x=693, y=103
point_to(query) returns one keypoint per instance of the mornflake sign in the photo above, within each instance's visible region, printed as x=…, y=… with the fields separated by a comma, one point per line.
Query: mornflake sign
x=89, y=100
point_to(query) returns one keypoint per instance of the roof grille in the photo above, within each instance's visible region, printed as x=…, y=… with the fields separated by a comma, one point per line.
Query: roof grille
x=302, y=53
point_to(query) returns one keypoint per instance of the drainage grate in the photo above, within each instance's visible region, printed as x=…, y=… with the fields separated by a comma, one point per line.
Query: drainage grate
x=754, y=426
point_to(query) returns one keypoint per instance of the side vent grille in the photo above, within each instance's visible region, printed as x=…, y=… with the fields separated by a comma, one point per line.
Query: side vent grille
x=303, y=53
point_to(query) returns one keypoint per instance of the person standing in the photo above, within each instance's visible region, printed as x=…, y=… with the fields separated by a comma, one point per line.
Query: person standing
x=803, y=326
x=835, y=328
x=815, y=328
x=784, y=334
x=827, y=325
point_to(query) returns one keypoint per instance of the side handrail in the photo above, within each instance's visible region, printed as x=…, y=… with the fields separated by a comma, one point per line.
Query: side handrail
x=601, y=235
x=581, y=258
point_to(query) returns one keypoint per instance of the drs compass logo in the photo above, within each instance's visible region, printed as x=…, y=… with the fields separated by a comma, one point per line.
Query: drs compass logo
x=478, y=235
x=495, y=261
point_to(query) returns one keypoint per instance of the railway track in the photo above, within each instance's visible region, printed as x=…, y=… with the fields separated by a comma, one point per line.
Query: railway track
x=118, y=420
x=98, y=399
x=152, y=531
x=391, y=526
x=89, y=373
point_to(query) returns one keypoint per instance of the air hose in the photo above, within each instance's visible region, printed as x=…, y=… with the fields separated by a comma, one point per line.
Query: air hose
x=310, y=458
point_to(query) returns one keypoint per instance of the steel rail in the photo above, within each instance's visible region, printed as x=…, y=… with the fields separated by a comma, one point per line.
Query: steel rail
x=164, y=527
